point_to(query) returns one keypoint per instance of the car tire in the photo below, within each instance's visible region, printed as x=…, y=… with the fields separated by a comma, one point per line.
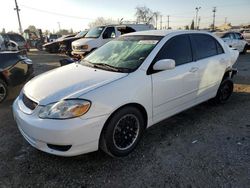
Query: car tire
x=224, y=92
x=244, y=50
x=3, y=91
x=122, y=132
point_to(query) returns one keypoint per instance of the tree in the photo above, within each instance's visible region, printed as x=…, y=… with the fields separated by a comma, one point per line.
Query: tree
x=3, y=31
x=101, y=21
x=192, y=25
x=47, y=32
x=63, y=32
x=143, y=14
x=32, y=28
x=186, y=27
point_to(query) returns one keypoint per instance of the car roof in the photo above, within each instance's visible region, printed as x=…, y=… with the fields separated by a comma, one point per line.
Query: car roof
x=164, y=32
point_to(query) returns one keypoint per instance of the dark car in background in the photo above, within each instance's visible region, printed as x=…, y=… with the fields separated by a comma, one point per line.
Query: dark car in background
x=15, y=69
x=65, y=44
x=19, y=39
x=53, y=47
x=53, y=37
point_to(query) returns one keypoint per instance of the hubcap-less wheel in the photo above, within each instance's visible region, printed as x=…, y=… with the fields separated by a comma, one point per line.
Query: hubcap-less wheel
x=126, y=132
x=122, y=131
x=226, y=92
x=3, y=92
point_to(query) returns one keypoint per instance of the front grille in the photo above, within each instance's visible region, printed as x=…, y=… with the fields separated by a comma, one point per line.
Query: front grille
x=29, y=103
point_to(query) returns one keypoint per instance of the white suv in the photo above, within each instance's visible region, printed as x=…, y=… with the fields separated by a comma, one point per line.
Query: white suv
x=109, y=98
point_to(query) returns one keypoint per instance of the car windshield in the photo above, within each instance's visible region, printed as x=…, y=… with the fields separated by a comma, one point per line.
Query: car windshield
x=124, y=54
x=94, y=32
x=16, y=38
x=81, y=34
x=53, y=36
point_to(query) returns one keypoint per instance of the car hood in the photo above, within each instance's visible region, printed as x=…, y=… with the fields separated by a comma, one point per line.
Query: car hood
x=70, y=81
x=83, y=41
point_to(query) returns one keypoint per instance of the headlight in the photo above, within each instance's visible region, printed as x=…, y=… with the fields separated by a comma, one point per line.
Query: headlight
x=85, y=47
x=65, y=109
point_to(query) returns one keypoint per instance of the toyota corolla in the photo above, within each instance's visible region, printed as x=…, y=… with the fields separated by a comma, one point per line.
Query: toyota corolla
x=109, y=98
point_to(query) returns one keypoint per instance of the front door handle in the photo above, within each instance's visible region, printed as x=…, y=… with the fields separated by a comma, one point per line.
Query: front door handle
x=194, y=69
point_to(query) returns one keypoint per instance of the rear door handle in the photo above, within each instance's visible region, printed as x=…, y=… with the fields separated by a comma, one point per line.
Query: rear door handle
x=194, y=69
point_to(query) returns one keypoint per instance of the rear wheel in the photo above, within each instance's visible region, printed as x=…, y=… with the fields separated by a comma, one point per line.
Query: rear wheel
x=244, y=50
x=224, y=92
x=3, y=90
x=123, y=132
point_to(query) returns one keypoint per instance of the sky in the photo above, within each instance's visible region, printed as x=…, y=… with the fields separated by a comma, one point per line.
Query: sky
x=76, y=14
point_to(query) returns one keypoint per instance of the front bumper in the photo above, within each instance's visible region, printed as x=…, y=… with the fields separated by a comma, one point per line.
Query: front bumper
x=82, y=135
x=79, y=52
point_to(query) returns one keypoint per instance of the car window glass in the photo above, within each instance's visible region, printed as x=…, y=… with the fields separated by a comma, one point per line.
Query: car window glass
x=232, y=36
x=109, y=33
x=94, y=32
x=205, y=45
x=237, y=36
x=178, y=49
x=219, y=48
x=16, y=38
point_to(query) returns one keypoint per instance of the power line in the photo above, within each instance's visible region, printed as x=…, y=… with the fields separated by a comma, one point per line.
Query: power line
x=55, y=13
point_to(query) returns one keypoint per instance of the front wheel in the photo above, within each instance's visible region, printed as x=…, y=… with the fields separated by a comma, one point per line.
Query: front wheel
x=224, y=92
x=3, y=90
x=123, y=132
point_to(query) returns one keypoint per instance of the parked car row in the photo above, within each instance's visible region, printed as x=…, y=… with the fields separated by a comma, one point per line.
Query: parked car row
x=63, y=44
x=108, y=99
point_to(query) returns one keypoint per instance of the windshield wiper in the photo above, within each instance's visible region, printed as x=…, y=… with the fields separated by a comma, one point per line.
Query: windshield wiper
x=110, y=67
x=106, y=66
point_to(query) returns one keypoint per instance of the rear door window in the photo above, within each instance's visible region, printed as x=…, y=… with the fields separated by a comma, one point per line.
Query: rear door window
x=178, y=48
x=205, y=45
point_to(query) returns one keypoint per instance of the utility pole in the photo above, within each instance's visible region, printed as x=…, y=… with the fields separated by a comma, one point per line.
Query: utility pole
x=199, y=20
x=168, y=21
x=18, y=17
x=161, y=21
x=214, y=11
x=196, y=17
x=59, y=26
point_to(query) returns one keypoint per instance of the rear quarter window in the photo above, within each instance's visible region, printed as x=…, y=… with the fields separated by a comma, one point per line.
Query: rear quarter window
x=205, y=46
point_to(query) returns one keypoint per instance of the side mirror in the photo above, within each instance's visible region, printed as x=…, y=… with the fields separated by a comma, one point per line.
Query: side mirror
x=164, y=64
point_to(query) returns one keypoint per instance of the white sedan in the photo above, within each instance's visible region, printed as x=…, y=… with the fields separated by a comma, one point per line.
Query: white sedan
x=234, y=40
x=109, y=98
